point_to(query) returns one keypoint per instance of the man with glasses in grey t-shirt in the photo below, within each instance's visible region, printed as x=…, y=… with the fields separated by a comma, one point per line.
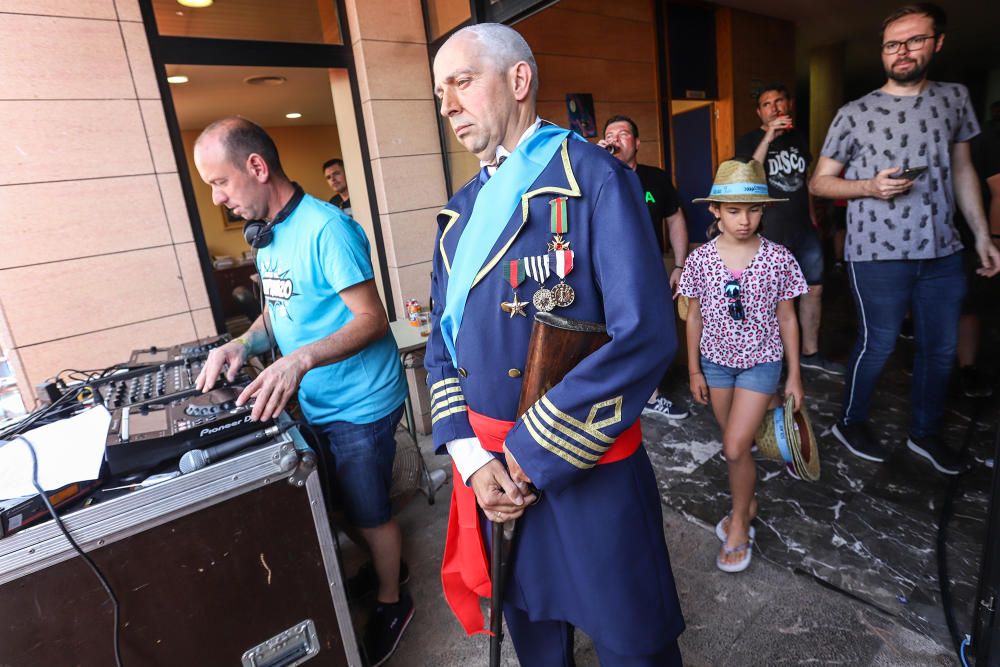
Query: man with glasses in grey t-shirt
x=906, y=152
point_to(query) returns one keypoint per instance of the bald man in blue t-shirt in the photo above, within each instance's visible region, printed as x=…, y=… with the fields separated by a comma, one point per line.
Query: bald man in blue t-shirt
x=330, y=325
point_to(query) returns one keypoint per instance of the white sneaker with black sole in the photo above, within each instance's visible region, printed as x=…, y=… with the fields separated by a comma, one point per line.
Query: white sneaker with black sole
x=665, y=408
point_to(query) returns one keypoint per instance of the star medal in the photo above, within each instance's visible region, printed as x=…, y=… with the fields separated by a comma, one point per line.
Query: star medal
x=560, y=224
x=538, y=268
x=514, y=274
x=562, y=262
x=514, y=307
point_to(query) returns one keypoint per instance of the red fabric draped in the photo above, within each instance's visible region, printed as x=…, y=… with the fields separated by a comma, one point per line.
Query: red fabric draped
x=465, y=570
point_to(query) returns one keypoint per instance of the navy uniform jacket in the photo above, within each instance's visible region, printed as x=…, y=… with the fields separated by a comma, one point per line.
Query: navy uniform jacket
x=592, y=551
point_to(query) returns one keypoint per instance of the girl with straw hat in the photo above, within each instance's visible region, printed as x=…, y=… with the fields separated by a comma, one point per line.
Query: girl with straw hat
x=741, y=320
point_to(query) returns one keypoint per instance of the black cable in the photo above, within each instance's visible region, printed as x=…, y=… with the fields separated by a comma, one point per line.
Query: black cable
x=64, y=402
x=951, y=493
x=76, y=547
x=61, y=403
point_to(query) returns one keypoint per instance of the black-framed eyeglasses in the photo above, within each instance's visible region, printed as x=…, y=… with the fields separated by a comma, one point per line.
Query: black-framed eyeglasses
x=732, y=291
x=912, y=44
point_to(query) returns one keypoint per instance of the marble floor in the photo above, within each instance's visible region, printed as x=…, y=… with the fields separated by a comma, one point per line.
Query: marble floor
x=869, y=530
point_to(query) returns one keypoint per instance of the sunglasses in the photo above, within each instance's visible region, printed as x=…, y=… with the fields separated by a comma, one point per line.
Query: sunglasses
x=732, y=291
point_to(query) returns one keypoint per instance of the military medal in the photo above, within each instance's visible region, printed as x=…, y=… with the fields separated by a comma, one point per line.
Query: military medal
x=538, y=268
x=560, y=256
x=543, y=300
x=514, y=274
x=562, y=263
x=514, y=307
x=560, y=224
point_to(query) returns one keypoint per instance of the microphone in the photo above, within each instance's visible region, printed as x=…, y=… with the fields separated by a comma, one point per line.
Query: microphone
x=196, y=459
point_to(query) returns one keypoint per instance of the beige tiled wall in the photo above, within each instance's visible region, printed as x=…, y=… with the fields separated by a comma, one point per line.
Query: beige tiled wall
x=394, y=80
x=607, y=49
x=98, y=256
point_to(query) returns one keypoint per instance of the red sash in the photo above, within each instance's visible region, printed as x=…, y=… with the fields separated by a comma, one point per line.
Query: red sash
x=465, y=571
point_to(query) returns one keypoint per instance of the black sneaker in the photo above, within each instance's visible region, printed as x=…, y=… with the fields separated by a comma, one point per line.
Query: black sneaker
x=974, y=385
x=859, y=440
x=816, y=362
x=944, y=459
x=364, y=583
x=666, y=408
x=386, y=627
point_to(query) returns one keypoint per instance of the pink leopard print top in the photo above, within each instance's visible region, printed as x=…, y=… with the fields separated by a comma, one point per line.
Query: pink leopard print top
x=773, y=275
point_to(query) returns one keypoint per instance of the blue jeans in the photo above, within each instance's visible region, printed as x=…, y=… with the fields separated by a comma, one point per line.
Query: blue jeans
x=359, y=461
x=932, y=289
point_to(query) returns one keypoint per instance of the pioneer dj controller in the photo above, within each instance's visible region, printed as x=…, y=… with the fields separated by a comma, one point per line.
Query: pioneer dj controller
x=145, y=436
x=157, y=413
x=156, y=375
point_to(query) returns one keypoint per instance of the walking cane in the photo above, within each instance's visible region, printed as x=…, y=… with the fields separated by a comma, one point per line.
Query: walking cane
x=557, y=345
x=503, y=535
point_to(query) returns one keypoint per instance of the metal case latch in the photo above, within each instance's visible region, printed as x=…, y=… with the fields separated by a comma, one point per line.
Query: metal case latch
x=286, y=649
x=307, y=463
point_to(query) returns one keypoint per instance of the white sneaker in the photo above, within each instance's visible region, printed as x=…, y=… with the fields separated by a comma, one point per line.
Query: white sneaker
x=665, y=408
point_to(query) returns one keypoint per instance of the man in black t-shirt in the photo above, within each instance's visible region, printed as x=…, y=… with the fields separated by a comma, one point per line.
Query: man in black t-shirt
x=336, y=178
x=660, y=196
x=784, y=152
x=979, y=296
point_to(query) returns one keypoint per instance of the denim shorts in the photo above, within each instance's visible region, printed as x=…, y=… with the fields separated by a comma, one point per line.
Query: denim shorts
x=762, y=378
x=358, y=460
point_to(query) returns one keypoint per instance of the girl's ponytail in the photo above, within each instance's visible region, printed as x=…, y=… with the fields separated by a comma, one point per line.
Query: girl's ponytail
x=713, y=230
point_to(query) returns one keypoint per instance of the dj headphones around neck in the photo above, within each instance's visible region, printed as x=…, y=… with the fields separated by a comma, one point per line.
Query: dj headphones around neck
x=259, y=233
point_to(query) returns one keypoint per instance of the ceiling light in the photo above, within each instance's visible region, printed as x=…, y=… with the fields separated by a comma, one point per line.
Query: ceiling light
x=196, y=4
x=294, y=114
x=265, y=80
x=177, y=78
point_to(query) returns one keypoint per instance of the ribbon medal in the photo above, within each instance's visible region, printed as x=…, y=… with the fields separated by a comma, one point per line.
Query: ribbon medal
x=560, y=224
x=538, y=268
x=514, y=274
x=560, y=257
x=562, y=264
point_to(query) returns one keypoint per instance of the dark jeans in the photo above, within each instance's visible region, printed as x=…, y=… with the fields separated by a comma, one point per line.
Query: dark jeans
x=932, y=290
x=359, y=460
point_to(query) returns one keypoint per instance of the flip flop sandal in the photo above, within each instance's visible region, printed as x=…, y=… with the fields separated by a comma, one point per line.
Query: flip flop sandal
x=741, y=564
x=720, y=530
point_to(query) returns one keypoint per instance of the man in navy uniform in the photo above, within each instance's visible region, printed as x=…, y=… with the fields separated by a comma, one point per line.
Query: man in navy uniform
x=551, y=223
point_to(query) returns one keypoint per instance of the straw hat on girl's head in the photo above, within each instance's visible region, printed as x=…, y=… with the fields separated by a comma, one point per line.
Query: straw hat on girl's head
x=739, y=182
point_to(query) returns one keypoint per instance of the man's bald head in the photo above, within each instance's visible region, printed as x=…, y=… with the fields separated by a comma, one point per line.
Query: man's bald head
x=502, y=46
x=241, y=138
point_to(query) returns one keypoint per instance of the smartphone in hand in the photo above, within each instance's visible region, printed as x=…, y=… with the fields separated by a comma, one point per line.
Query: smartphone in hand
x=910, y=173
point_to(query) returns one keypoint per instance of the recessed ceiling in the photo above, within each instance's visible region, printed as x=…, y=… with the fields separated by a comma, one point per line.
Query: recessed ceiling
x=971, y=46
x=285, y=21
x=213, y=92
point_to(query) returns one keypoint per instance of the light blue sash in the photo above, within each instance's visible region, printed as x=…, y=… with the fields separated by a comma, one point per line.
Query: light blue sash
x=497, y=201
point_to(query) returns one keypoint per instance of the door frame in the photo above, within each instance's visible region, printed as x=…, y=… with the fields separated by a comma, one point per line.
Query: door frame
x=173, y=50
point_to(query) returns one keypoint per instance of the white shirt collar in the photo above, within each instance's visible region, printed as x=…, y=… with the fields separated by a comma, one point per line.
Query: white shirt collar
x=504, y=153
